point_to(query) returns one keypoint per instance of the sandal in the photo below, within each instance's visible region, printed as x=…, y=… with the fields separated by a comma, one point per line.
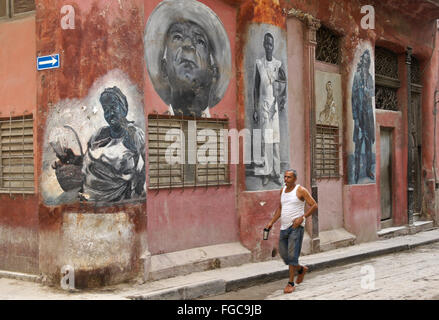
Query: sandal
x=290, y=287
x=301, y=274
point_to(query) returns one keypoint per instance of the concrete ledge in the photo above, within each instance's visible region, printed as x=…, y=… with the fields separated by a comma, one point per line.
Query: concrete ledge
x=20, y=276
x=419, y=226
x=198, y=259
x=393, y=232
x=334, y=239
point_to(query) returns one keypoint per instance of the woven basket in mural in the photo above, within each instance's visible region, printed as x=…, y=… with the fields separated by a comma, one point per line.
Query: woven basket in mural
x=69, y=176
x=68, y=168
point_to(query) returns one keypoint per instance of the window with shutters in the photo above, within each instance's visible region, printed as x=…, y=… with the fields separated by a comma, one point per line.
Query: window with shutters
x=327, y=151
x=11, y=8
x=16, y=155
x=187, y=153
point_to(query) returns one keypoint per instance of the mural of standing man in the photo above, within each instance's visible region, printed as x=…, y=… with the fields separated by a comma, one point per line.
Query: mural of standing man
x=363, y=90
x=269, y=100
x=188, y=56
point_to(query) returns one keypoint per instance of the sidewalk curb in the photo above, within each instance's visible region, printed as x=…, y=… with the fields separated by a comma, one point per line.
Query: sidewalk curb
x=194, y=291
x=20, y=276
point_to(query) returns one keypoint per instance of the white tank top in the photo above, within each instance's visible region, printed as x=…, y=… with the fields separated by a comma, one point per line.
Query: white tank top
x=292, y=208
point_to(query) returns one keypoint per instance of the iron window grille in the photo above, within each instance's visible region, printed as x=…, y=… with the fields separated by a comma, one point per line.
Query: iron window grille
x=16, y=155
x=328, y=46
x=327, y=151
x=12, y=8
x=387, y=80
x=164, y=131
x=415, y=71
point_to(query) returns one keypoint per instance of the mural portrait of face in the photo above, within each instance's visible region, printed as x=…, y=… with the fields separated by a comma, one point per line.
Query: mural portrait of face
x=189, y=66
x=188, y=56
x=269, y=46
x=115, y=109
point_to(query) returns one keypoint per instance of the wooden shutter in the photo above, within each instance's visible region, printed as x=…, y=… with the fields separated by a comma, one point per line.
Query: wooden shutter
x=3, y=8
x=21, y=6
x=16, y=155
x=215, y=173
x=327, y=158
x=161, y=173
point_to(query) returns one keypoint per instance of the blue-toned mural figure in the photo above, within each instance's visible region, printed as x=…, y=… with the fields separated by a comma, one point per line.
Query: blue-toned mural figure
x=363, y=90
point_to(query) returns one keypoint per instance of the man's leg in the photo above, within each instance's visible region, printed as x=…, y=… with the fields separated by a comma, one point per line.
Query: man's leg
x=301, y=270
x=294, y=247
x=284, y=252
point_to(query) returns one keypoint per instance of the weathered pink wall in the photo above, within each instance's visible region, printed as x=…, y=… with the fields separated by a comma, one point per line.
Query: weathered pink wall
x=296, y=102
x=108, y=36
x=18, y=213
x=18, y=66
x=183, y=219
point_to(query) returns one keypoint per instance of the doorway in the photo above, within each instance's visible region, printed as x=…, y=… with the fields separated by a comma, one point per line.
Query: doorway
x=386, y=176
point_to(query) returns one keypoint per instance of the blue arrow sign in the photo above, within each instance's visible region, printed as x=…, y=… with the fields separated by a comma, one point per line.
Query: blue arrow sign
x=48, y=62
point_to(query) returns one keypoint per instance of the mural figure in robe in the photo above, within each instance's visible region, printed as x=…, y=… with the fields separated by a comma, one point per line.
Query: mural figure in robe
x=363, y=90
x=269, y=100
x=328, y=115
x=113, y=166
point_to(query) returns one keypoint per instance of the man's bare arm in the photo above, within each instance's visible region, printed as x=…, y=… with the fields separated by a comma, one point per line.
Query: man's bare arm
x=304, y=194
x=311, y=203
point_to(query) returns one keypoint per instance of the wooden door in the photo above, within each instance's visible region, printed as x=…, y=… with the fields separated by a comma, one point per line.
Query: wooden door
x=386, y=173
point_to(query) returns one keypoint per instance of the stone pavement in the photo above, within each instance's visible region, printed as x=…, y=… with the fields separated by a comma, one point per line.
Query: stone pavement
x=219, y=281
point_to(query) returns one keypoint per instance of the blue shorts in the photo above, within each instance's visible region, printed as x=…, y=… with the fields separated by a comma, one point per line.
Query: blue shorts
x=290, y=245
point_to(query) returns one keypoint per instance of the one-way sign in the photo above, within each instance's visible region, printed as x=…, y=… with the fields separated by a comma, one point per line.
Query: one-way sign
x=48, y=62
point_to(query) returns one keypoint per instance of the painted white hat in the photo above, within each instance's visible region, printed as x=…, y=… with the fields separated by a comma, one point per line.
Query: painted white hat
x=170, y=11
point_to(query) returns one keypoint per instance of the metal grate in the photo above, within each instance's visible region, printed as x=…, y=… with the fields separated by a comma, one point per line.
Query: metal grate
x=415, y=71
x=386, y=63
x=16, y=155
x=328, y=46
x=386, y=98
x=327, y=155
x=386, y=79
x=171, y=133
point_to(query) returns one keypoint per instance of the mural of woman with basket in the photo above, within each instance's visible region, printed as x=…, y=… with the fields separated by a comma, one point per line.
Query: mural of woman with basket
x=113, y=167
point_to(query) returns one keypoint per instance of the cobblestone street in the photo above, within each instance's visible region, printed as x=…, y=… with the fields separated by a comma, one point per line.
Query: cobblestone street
x=408, y=275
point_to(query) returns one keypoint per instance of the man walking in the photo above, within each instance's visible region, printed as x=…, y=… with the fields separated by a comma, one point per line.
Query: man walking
x=292, y=213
